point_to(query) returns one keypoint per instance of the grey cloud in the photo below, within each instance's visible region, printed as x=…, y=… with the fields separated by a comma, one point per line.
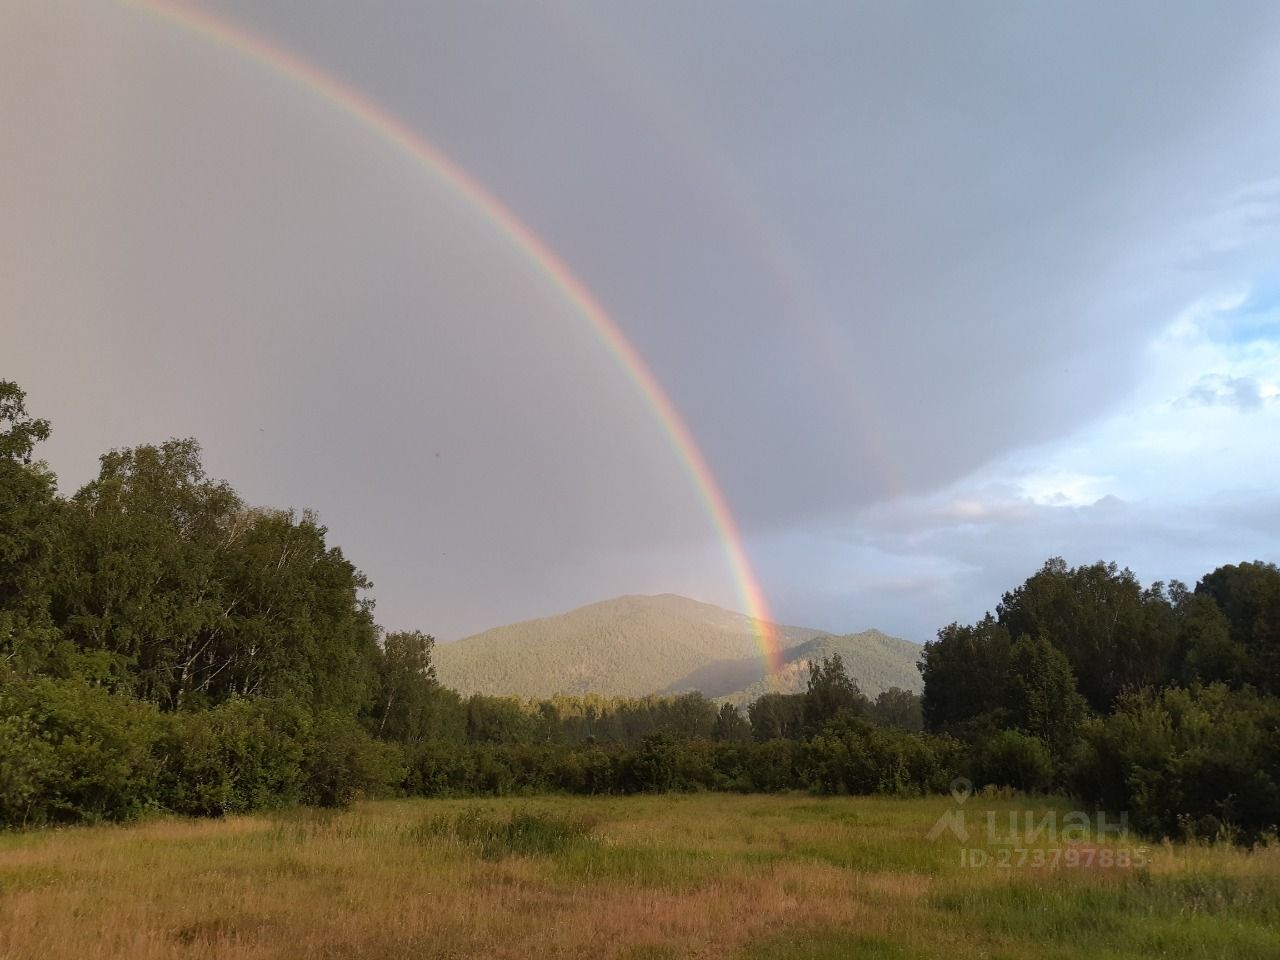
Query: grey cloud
x=976, y=200
x=962, y=561
x=1221, y=390
x=950, y=233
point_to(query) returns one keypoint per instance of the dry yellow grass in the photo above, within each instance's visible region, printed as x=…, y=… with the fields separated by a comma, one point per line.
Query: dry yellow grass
x=698, y=876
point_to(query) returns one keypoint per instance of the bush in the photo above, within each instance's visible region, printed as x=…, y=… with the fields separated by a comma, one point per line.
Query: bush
x=587, y=770
x=654, y=767
x=342, y=762
x=1203, y=762
x=1014, y=759
x=70, y=751
x=774, y=765
x=241, y=755
x=855, y=757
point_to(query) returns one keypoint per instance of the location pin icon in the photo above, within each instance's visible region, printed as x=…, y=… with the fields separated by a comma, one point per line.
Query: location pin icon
x=961, y=789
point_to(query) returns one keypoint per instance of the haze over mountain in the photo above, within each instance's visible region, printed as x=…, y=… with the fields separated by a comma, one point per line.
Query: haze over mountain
x=638, y=645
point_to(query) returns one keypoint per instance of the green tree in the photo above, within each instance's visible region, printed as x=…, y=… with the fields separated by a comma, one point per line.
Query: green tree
x=136, y=581
x=1116, y=635
x=410, y=706
x=965, y=673
x=499, y=720
x=27, y=513
x=189, y=597
x=19, y=431
x=1207, y=652
x=730, y=725
x=1011, y=758
x=898, y=708
x=777, y=716
x=831, y=693
x=689, y=716
x=302, y=624
x=1041, y=696
x=1248, y=594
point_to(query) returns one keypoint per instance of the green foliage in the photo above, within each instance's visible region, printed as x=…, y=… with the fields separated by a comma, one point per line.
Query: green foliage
x=777, y=716
x=70, y=751
x=764, y=767
x=19, y=431
x=239, y=756
x=655, y=767
x=1041, y=697
x=898, y=708
x=628, y=721
x=1115, y=635
x=410, y=706
x=1203, y=761
x=854, y=756
x=965, y=673
x=1207, y=651
x=731, y=725
x=501, y=720
x=28, y=512
x=342, y=763
x=194, y=598
x=1248, y=595
x=1014, y=759
x=832, y=694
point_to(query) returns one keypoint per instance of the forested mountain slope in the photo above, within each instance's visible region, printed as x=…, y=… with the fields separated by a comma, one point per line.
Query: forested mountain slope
x=628, y=646
x=873, y=659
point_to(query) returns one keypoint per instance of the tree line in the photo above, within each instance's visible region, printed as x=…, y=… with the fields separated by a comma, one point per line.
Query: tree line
x=1160, y=701
x=165, y=646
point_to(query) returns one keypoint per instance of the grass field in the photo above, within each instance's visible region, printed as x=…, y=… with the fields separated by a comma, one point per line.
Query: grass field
x=641, y=877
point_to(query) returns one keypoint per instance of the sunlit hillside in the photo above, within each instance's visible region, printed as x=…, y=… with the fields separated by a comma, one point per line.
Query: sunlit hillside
x=628, y=646
x=874, y=660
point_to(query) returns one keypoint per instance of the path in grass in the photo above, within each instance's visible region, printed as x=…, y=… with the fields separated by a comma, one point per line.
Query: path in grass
x=666, y=876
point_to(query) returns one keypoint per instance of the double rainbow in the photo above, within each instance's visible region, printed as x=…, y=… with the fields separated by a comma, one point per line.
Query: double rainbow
x=378, y=120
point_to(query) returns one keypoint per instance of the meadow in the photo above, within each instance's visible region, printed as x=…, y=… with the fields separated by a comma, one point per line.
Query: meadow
x=702, y=875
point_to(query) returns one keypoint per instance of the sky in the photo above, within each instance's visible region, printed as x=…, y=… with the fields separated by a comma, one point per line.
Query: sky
x=939, y=290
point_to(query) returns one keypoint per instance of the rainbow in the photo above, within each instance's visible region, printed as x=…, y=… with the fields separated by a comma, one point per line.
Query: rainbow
x=629, y=78
x=396, y=132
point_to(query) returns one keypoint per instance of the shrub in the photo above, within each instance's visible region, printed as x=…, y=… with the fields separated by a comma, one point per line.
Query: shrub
x=653, y=767
x=1203, y=761
x=853, y=756
x=774, y=765
x=71, y=751
x=239, y=756
x=1014, y=759
x=342, y=762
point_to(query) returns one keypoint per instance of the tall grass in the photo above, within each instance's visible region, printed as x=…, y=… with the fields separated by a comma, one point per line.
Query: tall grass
x=522, y=833
x=762, y=877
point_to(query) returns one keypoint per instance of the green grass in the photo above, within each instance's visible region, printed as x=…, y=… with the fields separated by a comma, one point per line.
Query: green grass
x=521, y=833
x=749, y=877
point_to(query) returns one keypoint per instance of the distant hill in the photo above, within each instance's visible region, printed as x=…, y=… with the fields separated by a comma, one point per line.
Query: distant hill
x=629, y=646
x=875, y=660
x=633, y=646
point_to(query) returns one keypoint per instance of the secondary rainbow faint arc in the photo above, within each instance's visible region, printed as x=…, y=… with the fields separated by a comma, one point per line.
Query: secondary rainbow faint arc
x=381, y=121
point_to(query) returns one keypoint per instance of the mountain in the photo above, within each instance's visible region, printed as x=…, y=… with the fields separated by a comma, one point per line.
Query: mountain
x=634, y=646
x=875, y=660
x=628, y=646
